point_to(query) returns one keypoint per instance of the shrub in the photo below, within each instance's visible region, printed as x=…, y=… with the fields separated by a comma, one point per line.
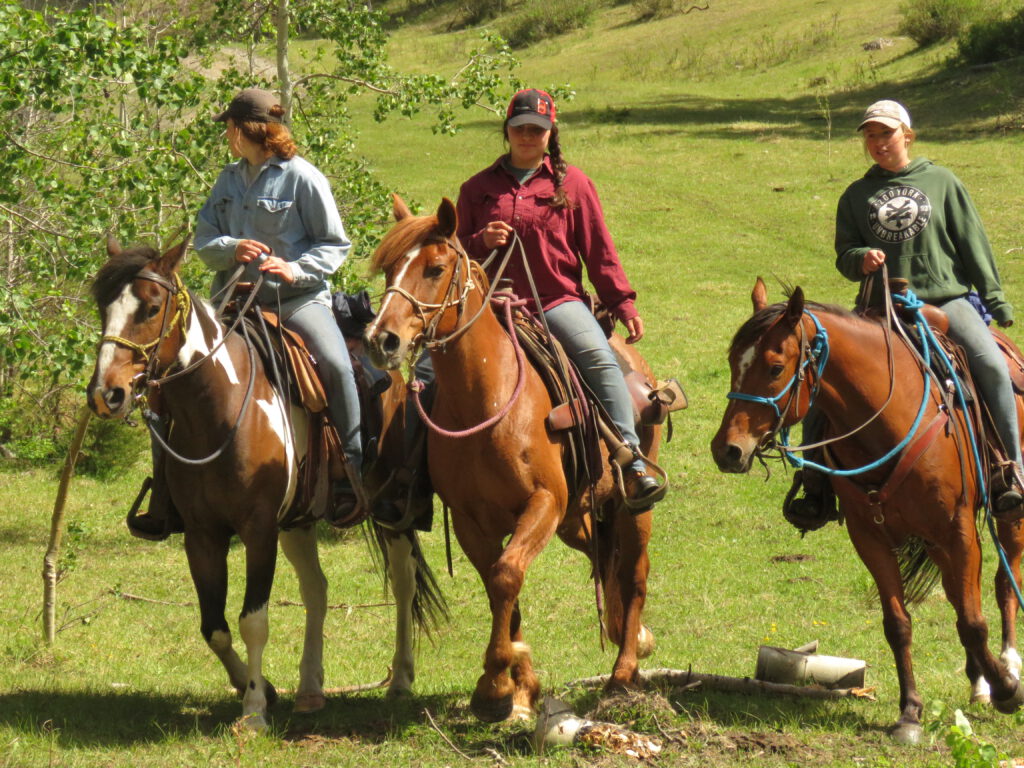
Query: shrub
x=993, y=40
x=931, y=21
x=542, y=19
x=475, y=12
x=111, y=448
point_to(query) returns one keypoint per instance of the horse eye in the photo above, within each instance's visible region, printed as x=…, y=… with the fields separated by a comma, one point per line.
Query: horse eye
x=776, y=370
x=433, y=271
x=153, y=311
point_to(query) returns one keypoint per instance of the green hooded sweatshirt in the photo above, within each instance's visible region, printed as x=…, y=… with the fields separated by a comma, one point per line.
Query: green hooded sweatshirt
x=924, y=220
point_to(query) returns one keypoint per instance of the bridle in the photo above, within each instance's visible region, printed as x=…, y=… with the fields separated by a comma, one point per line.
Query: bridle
x=182, y=307
x=813, y=357
x=150, y=379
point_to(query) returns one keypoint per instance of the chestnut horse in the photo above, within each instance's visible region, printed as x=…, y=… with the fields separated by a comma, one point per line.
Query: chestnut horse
x=238, y=443
x=789, y=354
x=503, y=480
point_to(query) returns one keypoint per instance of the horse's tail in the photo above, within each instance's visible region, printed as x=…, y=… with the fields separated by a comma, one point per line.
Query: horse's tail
x=429, y=607
x=918, y=572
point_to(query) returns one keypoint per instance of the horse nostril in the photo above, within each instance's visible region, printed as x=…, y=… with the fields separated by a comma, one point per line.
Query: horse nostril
x=389, y=342
x=733, y=454
x=114, y=398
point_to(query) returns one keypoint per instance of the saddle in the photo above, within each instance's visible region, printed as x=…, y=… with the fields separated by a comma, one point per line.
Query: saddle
x=286, y=356
x=585, y=423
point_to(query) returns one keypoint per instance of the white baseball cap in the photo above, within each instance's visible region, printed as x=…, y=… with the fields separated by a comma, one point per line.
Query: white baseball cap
x=891, y=114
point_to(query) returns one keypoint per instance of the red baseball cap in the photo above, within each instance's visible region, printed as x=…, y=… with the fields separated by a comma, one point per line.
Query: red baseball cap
x=531, y=106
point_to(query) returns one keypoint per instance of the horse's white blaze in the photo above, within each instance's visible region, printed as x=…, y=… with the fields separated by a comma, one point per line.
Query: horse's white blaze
x=745, y=361
x=402, y=571
x=1012, y=660
x=119, y=312
x=409, y=258
x=196, y=344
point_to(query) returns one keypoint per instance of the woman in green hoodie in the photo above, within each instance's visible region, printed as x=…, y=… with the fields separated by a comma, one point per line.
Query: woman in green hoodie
x=917, y=219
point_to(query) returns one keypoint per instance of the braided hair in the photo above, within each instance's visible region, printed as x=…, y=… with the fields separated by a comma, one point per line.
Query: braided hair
x=558, y=164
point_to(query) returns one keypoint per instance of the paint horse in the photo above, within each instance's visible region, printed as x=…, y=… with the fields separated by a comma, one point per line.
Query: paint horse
x=222, y=405
x=503, y=477
x=785, y=355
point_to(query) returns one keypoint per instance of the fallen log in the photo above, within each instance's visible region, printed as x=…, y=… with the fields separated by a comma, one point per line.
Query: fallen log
x=683, y=678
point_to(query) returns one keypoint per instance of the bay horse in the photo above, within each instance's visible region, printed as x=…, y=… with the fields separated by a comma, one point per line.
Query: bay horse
x=787, y=354
x=223, y=407
x=504, y=480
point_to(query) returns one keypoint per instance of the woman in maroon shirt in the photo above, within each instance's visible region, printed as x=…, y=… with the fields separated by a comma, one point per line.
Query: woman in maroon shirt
x=554, y=209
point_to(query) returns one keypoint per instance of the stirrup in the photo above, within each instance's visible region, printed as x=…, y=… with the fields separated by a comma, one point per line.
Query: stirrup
x=648, y=500
x=139, y=525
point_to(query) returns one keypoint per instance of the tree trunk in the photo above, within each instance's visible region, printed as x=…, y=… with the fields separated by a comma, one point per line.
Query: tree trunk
x=283, y=74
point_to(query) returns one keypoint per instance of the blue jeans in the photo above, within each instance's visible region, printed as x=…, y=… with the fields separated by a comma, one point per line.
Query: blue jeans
x=316, y=325
x=988, y=369
x=584, y=342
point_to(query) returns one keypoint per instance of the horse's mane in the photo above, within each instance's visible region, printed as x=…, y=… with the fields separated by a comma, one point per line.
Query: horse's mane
x=402, y=238
x=121, y=269
x=758, y=324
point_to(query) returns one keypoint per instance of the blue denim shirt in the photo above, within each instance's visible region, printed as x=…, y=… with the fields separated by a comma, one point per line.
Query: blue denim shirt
x=289, y=207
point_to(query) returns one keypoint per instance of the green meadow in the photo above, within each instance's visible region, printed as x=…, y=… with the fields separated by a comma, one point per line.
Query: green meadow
x=719, y=142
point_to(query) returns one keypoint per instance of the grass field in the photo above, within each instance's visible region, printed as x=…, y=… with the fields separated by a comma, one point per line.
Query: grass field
x=719, y=142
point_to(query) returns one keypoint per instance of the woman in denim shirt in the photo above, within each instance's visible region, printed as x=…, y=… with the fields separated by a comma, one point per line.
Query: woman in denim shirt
x=273, y=211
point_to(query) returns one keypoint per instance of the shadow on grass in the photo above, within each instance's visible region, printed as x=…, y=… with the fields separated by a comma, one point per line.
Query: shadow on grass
x=111, y=719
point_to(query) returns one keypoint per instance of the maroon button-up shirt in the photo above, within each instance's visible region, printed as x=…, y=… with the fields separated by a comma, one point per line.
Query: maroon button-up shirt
x=558, y=241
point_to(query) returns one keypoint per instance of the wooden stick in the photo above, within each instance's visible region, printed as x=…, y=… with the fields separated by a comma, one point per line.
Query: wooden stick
x=458, y=751
x=747, y=685
x=57, y=529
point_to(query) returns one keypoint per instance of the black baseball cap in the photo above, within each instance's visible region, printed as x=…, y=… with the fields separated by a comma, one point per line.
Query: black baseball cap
x=531, y=106
x=251, y=104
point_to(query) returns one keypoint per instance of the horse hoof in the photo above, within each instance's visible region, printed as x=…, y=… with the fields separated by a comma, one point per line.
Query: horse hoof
x=644, y=642
x=399, y=692
x=254, y=721
x=491, y=710
x=306, y=703
x=908, y=734
x=521, y=712
x=981, y=698
x=1011, y=703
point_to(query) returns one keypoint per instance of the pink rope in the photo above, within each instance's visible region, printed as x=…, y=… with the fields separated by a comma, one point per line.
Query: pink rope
x=415, y=387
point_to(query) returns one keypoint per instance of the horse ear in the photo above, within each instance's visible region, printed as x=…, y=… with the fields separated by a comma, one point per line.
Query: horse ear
x=759, y=296
x=113, y=246
x=795, y=309
x=399, y=208
x=447, y=219
x=173, y=255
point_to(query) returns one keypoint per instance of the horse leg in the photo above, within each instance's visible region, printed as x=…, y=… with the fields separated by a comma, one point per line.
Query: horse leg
x=402, y=574
x=1011, y=536
x=625, y=569
x=503, y=573
x=207, y=562
x=896, y=623
x=960, y=563
x=527, y=687
x=299, y=546
x=253, y=623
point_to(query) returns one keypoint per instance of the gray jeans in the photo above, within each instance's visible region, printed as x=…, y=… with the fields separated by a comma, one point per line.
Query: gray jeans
x=579, y=333
x=968, y=330
x=316, y=325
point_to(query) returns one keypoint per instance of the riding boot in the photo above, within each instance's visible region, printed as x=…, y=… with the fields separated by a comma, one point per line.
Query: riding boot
x=1006, y=493
x=161, y=518
x=817, y=506
x=412, y=504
